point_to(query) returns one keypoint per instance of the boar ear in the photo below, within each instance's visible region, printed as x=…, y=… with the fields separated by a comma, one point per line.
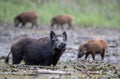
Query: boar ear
x=65, y=35
x=52, y=34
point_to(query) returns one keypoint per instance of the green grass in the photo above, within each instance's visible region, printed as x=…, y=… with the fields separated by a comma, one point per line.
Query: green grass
x=93, y=13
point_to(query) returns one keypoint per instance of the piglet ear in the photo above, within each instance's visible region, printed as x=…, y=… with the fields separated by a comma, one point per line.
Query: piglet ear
x=65, y=35
x=52, y=34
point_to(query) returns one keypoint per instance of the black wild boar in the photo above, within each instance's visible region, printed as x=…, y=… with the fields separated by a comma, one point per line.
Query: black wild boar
x=44, y=51
x=93, y=47
x=61, y=20
x=26, y=17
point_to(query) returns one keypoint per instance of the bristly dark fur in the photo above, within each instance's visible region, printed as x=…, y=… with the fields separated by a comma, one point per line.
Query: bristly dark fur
x=36, y=51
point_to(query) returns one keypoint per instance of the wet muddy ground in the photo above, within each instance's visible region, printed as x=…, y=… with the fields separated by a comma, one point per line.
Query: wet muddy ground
x=79, y=68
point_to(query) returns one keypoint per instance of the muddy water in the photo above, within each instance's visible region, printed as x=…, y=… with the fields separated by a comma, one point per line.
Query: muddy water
x=9, y=35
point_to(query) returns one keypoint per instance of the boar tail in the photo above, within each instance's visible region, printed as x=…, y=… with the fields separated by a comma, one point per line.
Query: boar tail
x=7, y=58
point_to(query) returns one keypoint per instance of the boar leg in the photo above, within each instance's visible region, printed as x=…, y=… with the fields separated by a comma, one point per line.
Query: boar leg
x=23, y=24
x=57, y=26
x=70, y=26
x=86, y=55
x=17, y=25
x=61, y=26
x=52, y=25
x=34, y=23
x=93, y=56
x=16, y=59
x=102, y=54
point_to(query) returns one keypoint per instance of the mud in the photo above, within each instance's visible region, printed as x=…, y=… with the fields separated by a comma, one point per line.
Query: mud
x=9, y=35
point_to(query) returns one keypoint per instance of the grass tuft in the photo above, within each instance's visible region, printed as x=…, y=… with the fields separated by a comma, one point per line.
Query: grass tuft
x=90, y=13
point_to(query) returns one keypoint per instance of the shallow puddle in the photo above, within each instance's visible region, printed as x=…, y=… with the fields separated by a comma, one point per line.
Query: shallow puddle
x=79, y=69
